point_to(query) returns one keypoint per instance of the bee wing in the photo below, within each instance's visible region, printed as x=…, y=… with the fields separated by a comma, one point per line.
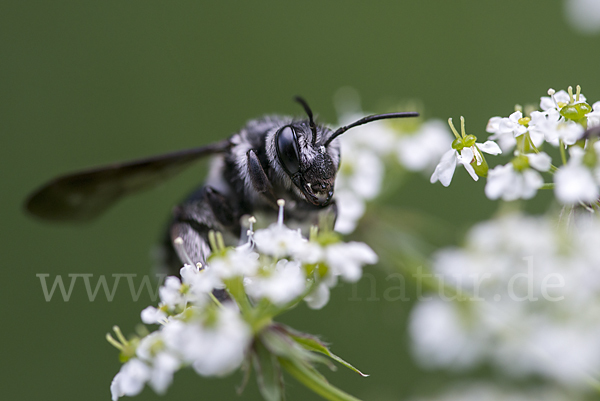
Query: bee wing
x=84, y=195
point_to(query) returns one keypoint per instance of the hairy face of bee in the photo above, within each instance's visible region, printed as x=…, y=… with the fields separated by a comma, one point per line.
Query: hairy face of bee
x=310, y=166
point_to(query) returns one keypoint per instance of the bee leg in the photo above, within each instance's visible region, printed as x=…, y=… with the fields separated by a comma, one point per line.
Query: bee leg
x=192, y=221
x=195, y=244
x=207, y=211
x=259, y=178
x=220, y=207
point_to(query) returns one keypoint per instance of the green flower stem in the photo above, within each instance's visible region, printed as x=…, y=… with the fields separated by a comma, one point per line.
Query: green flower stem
x=216, y=301
x=314, y=381
x=235, y=287
x=259, y=324
x=563, y=154
x=553, y=168
x=548, y=185
x=593, y=382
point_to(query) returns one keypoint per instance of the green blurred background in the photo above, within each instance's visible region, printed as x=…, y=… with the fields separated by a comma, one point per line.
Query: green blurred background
x=86, y=83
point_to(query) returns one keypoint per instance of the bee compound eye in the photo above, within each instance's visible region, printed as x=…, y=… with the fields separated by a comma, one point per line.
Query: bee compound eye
x=286, y=142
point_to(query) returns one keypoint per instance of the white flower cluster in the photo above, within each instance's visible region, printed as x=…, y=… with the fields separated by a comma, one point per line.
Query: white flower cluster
x=364, y=150
x=583, y=15
x=530, y=300
x=560, y=123
x=488, y=392
x=213, y=342
x=276, y=269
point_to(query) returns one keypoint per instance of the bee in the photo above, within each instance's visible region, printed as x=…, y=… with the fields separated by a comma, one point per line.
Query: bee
x=270, y=158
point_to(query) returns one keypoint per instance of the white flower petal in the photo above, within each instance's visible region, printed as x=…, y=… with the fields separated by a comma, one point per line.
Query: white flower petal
x=539, y=161
x=490, y=147
x=319, y=297
x=445, y=169
x=575, y=183
x=151, y=315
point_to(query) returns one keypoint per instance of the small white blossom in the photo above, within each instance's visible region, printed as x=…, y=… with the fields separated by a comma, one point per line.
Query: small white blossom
x=436, y=324
x=421, y=150
x=319, y=297
x=539, y=161
x=286, y=282
x=507, y=183
x=568, y=131
x=593, y=117
x=130, y=380
x=279, y=241
x=561, y=99
x=202, y=281
x=162, y=362
x=171, y=295
x=361, y=171
x=350, y=209
x=464, y=151
x=510, y=184
x=346, y=259
x=574, y=182
x=236, y=262
x=215, y=349
x=583, y=15
x=506, y=129
x=554, y=128
x=445, y=169
x=152, y=315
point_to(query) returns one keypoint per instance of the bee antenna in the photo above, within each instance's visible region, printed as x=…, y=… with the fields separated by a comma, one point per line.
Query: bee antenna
x=368, y=119
x=308, y=111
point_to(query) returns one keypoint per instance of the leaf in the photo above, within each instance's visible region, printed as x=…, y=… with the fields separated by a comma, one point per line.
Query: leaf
x=312, y=343
x=247, y=370
x=268, y=373
x=280, y=343
x=308, y=375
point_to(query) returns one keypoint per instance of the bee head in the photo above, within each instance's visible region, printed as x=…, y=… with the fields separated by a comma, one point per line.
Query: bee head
x=310, y=165
x=309, y=157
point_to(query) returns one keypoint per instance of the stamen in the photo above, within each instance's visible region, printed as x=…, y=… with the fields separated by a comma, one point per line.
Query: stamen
x=212, y=241
x=120, y=335
x=114, y=342
x=462, y=126
x=178, y=243
x=220, y=241
x=551, y=93
x=578, y=93
x=570, y=90
x=478, y=156
x=251, y=222
x=314, y=231
x=453, y=129
x=529, y=108
x=587, y=207
x=281, y=204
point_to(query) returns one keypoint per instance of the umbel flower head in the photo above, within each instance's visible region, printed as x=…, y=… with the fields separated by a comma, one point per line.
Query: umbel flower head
x=275, y=270
x=562, y=123
x=530, y=294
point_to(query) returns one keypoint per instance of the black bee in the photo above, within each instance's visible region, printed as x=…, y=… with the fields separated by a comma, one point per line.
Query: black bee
x=271, y=158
